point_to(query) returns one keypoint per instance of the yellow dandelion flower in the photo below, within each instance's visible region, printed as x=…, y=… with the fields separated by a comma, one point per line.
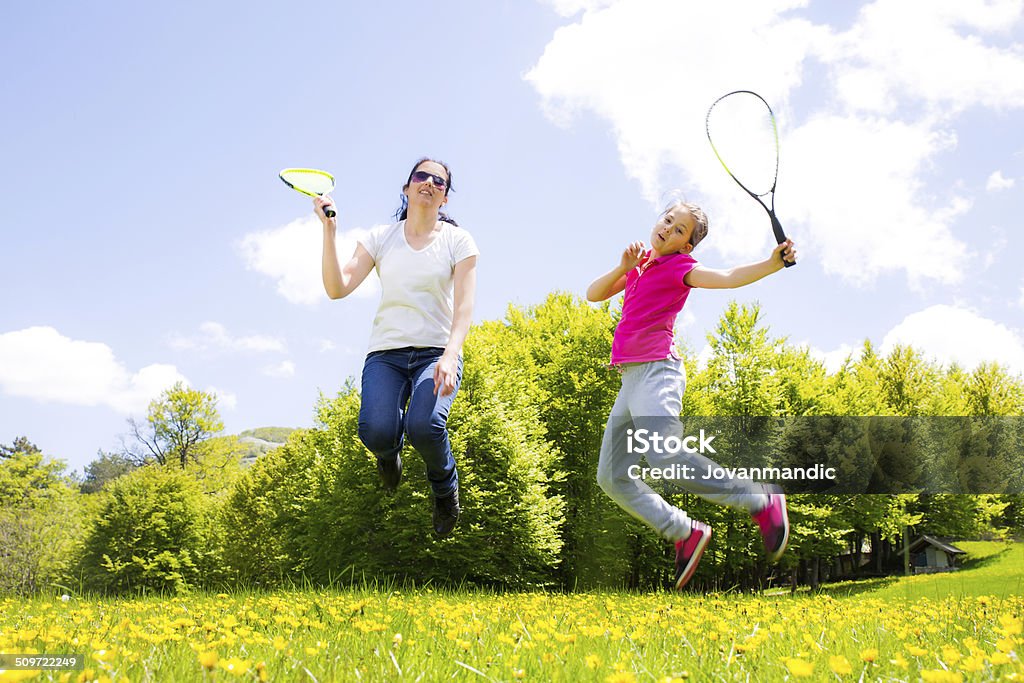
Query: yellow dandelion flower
x=999, y=658
x=1004, y=645
x=972, y=664
x=518, y=674
x=397, y=639
x=621, y=677
x=900, y=662
x=234, y=666
x=208, y=659
x=1012, y=626
x=869, y=655
x=941, y=676
x=798, y=667
x=592, y=661
x=950, y=655
x=915, y=651
x=840, y=665
x=280, y=643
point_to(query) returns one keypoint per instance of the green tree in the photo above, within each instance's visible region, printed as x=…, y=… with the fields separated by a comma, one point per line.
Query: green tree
x=154, y=532
x=20, y=445
x=315, y=508
x=265, y=518
x=552, y=359
x=104, y=469
x=34, y=492
x=178, y=422
x=906, y=380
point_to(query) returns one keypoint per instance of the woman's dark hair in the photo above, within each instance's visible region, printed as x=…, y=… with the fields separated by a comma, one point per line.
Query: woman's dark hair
x=403, y=210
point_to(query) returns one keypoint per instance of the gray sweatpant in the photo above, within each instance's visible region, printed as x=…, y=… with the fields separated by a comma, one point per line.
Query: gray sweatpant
x=651, y=398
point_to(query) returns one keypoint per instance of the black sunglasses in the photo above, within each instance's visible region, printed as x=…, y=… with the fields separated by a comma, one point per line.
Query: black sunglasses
x=422, y=177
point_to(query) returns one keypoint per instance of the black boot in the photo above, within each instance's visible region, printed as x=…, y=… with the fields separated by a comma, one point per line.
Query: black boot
x=446, y=513
x=390, y=472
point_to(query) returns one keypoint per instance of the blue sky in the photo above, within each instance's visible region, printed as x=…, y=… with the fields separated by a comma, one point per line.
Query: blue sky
x=146, y=238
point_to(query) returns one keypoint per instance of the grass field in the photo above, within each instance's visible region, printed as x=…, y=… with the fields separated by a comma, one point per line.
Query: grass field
x=964, y=626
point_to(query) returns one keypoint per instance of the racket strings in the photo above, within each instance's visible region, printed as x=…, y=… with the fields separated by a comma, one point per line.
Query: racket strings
x=308, y=180
x=742, y=131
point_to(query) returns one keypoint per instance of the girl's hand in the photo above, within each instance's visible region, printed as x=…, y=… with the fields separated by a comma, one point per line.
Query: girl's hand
x=631, y=256
x=786, y=250
x=319, y=203
x=446, y=373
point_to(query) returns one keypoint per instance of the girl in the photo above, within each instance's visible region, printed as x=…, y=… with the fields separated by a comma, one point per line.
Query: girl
x=657, y=283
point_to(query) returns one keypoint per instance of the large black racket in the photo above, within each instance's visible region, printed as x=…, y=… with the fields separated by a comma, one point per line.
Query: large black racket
x=742, y=131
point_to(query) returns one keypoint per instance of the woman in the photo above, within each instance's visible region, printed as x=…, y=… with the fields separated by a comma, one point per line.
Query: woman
x=427, y=270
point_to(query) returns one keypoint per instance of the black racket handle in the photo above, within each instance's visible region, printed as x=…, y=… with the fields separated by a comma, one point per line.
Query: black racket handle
x=780, y=237
x=329, y=211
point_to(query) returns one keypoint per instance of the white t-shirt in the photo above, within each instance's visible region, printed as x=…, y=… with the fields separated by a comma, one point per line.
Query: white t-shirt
x=417, y=286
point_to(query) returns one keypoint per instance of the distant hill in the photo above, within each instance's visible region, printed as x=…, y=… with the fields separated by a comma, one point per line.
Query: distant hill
x=262, y=440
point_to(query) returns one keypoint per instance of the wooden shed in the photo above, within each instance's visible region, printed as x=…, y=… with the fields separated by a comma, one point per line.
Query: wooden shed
x=929, y=555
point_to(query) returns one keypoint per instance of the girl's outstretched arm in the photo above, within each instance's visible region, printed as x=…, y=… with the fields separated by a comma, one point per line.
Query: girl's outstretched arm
x=710, y=278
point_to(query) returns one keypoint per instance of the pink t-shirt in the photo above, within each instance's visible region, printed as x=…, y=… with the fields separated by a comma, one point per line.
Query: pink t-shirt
x=655, y=293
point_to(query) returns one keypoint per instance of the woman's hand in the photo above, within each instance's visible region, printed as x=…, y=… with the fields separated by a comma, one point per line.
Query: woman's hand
x=319, y=204
x=446, y=374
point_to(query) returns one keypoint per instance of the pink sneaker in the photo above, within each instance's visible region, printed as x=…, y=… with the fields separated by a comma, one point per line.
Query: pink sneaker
x=689, y=551
x=774, y=523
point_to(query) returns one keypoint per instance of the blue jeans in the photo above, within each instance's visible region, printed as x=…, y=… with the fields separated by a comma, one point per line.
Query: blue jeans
x=398, y=400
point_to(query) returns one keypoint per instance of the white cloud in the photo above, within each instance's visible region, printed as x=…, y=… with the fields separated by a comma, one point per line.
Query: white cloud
x=953, y=334
x=854, y=166
x=997, y=182
x=214, y=336
x=226, y=400
x=284, y=370
x=291, y=255
x=42, y=364
x=704, y=356
x=567, y=8
x=932, y=52
x=329, y=346
x=892, y=229
x=834, y=359
x=668, y=63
